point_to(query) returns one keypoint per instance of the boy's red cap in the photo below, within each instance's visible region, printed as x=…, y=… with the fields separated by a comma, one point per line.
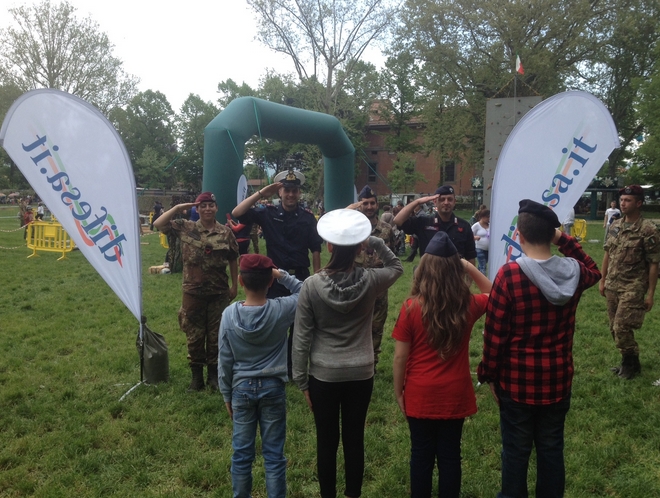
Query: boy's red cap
x=250, y=263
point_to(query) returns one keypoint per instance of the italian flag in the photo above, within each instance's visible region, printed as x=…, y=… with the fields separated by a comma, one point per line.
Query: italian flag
x=519, y=67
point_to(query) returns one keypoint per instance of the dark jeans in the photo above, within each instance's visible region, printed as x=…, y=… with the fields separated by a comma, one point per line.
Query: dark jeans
x=431, y=441
x=543, y=426
x=328, y=400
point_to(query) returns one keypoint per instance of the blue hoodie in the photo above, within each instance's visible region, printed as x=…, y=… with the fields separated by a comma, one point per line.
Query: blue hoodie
x=253, y=338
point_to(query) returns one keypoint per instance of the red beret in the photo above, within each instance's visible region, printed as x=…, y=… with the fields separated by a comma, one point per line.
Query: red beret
x=205, y=197
x=632, y=190
x=250, y=263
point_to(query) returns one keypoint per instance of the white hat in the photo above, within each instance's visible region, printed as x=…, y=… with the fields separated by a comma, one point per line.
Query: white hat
x=290, y=178
x=344, y=227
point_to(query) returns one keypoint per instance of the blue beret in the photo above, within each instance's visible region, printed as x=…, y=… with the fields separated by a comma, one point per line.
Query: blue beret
x=445, y=190
x=366, y=193
x=441, y=245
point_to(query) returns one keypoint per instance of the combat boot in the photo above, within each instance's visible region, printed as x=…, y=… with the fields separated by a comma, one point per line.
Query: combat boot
x=630, y=367
x=212, y=378
x=197, y=382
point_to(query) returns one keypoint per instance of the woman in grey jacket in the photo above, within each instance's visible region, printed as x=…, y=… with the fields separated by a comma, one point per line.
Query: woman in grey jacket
x=333, y=361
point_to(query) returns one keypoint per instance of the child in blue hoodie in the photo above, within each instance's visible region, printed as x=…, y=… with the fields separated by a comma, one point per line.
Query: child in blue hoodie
x=252, y=372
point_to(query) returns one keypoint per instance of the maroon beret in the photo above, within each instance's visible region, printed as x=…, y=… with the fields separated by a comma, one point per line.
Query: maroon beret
x=632, y=190
x=251, y=263
x=205, y=197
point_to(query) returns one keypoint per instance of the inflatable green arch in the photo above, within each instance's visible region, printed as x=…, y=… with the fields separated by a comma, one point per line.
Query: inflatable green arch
x=224, y=147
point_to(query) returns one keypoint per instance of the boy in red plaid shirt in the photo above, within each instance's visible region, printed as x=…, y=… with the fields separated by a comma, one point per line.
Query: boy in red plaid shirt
x=528, y=342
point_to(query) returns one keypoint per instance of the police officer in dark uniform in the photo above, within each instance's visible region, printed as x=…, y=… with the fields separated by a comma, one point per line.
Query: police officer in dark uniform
x=289, y=230
x=426, y=226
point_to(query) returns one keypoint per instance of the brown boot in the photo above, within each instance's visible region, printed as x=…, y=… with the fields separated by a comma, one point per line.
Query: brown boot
x=212, y=378
x=197, y=382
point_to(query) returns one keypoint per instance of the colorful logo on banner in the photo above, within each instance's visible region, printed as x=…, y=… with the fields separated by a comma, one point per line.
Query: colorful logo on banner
x=573, y=159
x=100, y=231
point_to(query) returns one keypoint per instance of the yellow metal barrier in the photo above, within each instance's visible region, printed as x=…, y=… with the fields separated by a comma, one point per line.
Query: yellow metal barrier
x=579, y=230
x=163, y=240
x=48, y=236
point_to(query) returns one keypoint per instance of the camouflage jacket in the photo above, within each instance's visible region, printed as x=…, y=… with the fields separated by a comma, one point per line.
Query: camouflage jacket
x=368, y=258
x=632, y=247
x=206, y=254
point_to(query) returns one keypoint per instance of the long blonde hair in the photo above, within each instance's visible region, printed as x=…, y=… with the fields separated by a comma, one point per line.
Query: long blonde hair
x=440, y=287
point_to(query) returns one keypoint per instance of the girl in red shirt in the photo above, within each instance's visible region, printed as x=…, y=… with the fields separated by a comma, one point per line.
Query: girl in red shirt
x=432, y=381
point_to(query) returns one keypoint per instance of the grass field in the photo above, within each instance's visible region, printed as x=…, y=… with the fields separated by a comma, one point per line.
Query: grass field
x=67, y=354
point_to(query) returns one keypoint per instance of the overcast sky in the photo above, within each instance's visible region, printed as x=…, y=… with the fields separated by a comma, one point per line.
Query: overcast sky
x=183, y=47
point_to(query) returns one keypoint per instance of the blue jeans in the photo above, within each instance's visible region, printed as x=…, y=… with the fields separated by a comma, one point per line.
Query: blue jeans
x=521, y=426
x=431, y=441
x=482, y=260
x=262, y=401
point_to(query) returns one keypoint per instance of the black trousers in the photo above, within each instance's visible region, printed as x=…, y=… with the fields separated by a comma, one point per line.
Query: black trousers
x=329, y=401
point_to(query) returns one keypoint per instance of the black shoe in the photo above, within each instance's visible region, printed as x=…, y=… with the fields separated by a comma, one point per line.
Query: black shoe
x=212, y=378
x=197, y=382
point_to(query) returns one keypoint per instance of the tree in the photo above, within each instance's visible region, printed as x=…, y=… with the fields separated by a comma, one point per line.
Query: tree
x=403, y=176
x=467, y=50
x=9, y=175
x=195, y=114
x=146, y=126
x=622, y=69
x=325, y=39
x=49, y=47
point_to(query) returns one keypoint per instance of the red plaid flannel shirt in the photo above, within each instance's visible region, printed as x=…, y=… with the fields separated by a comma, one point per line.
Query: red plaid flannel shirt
x=528, y=341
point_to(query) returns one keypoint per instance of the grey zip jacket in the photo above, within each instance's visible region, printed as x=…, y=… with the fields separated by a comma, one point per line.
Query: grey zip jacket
x=332, y=339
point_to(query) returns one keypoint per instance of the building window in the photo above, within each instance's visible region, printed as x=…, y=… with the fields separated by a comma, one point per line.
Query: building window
x=371, y=172
x=450, y=172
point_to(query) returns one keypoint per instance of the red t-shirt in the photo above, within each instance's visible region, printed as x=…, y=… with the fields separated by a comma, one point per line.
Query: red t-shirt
x=436, y=388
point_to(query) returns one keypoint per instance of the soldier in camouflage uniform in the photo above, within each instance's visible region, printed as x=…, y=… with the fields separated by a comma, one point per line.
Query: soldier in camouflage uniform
x=208, y=248
x=368, y=204
x=630, y=273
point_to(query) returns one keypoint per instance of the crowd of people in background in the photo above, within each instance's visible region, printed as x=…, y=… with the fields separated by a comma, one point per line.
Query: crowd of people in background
x=323, y=329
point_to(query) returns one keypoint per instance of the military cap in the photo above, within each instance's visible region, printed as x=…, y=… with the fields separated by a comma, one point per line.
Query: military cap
x=441, y=245
x=255, y=263
x=205, y=197
x=445, y=190
x=366, y=193
x=344, y=227
x=290, y=178
x=544, y=212
x=632, y=190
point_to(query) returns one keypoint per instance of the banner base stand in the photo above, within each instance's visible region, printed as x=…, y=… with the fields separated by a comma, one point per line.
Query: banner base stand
x=130, y=391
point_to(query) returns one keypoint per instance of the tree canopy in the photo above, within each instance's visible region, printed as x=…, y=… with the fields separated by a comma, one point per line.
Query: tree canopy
x=49, y=47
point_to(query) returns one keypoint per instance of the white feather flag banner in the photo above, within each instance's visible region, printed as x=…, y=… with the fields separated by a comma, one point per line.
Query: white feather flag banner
x=76, y=162
x=550, y=157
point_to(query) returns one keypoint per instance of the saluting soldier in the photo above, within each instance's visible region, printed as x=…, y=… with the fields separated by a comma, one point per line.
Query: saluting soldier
x=368, y=204
x=208, y=248
x=289, y=230
x=630, y=273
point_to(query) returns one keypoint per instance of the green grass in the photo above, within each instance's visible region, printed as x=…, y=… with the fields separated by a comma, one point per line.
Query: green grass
x=67, y=354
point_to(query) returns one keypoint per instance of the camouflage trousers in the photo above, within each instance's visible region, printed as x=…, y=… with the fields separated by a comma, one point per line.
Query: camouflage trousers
x=378, y=324
x=626, y=312
x=199, y=318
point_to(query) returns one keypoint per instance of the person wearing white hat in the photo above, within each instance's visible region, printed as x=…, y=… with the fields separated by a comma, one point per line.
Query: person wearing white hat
x=333, y=361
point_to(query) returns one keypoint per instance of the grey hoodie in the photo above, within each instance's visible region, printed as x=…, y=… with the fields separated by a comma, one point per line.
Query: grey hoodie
x=332, y=340
x=253, y=338
x=557, y=278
